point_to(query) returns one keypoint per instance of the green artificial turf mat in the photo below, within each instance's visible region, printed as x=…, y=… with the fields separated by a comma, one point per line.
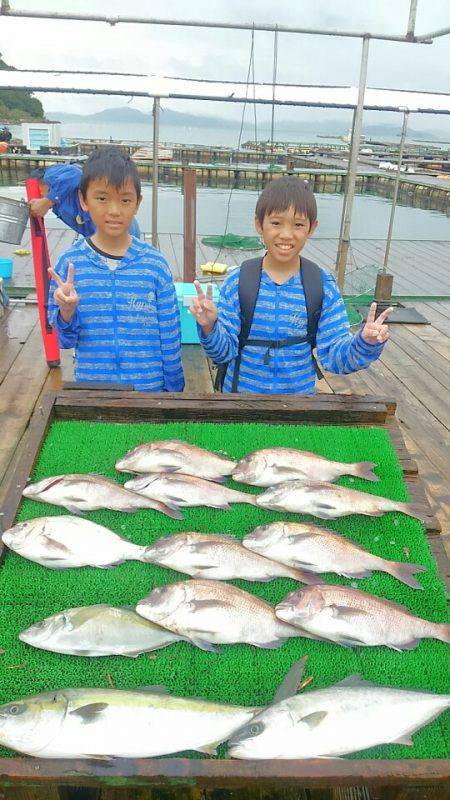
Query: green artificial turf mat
x=241, y=673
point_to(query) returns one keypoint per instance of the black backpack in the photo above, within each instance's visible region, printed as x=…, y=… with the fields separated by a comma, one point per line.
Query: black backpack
x=249, y=282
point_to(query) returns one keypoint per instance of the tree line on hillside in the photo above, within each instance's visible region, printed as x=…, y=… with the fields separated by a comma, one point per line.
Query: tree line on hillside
x=18, y=104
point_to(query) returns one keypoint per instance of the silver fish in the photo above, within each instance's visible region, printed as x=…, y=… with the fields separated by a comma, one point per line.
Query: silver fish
x=352, y=715
x=206, y=555
x=80, y=493
x=106, y=723
x=329, y=501
x=278, y=464
x=173, y=455
x=316, y=550
x=99, y=630
x=64, y=542
x=211, y=612
x=351, y=617
x=185, y=490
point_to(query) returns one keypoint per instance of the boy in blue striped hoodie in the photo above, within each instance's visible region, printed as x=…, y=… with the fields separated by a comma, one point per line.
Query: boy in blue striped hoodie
x=113, y=297
x=286, y=217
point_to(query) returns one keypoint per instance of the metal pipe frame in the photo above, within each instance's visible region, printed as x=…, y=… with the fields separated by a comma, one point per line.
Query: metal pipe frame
x=246, y=26
x=395, y=193
x=344, y=242
x=156, y=110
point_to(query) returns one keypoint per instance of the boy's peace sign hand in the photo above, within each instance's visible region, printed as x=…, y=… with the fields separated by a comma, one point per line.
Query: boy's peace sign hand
x=374, y=331
x=203, y=308
x=65, y=295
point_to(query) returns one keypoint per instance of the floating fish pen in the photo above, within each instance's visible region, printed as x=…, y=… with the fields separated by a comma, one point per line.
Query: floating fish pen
x=79, y=430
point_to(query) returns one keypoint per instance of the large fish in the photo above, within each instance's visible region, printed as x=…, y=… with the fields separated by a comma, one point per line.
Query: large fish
x=351, y=617
x=210, y=555
x=329, y=501
x=211, y=612
x=352, y=715
x=107, y=723
x=99, y=630
x=174, y=455
x=186, y=490
x=278, y=464
x=80, y=493
x=315, y=550
x=64, y=542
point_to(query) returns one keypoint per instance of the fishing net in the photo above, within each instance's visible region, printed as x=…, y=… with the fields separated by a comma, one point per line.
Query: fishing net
x=234, y=242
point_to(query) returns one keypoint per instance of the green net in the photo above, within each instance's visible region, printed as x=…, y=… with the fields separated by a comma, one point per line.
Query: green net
x=234, y=242
x=241, y=673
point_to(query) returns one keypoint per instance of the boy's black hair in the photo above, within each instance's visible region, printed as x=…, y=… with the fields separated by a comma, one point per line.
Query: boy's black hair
x=282, y=193
x=109, y=163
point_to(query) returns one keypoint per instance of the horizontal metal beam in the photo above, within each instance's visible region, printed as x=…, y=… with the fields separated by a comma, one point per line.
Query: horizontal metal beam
x=189, y=23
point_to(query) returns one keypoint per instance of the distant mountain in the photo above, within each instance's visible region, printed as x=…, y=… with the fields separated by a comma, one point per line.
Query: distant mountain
x=284, y=128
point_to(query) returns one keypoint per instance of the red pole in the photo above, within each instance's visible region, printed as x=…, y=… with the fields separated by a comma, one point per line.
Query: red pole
x=41, y=262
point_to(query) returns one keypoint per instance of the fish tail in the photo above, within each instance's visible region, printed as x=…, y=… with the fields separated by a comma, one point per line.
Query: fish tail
x=416, y=510
x=441, y=631
x=405, y=572
x=304, y=576
x=364, y=469
x=170, y=510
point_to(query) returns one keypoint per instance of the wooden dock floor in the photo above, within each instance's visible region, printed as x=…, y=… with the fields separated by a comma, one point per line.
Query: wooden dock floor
x=419, y=267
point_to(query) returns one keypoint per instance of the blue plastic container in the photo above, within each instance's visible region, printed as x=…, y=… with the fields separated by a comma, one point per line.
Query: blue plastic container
x=185, y=294
x=6, y=268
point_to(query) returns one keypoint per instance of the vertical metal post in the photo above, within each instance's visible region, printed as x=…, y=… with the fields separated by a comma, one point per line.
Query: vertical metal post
x=344, y=202
x=274, y=83
x=156, y=108
x=189, y=220
x=395, y=194
x=344, y=241
x=412, y=19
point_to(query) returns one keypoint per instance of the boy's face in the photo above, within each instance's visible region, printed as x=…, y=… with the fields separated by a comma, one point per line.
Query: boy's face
x=111, y=209
x=285, y=234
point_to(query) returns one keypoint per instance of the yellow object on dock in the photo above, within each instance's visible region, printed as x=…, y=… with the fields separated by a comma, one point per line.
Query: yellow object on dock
x=22, y=251
x=214, y=268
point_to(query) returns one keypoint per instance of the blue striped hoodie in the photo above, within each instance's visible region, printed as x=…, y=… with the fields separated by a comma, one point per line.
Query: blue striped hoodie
x=126, y=328
x=280, y=312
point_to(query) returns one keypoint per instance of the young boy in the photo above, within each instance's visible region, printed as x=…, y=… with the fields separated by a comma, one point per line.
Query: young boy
x=286, y=217
x=113, y=295
x=60, y=185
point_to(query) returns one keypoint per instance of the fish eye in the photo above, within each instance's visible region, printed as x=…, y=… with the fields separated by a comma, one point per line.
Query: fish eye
x=255, y=728
x=16, y=709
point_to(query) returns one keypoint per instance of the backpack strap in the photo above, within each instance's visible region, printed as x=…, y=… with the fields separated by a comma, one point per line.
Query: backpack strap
x=311, y=277
x=249, y=282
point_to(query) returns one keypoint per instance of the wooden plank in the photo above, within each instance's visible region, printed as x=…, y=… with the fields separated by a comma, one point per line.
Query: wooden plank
x=196, y=371
x=15, y=327
x=18, y=393
x=429, y=360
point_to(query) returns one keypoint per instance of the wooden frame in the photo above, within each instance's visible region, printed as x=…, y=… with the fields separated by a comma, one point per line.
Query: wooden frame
x=134, y=406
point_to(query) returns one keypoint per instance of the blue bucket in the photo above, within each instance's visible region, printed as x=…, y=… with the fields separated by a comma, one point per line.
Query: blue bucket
x=6, y=267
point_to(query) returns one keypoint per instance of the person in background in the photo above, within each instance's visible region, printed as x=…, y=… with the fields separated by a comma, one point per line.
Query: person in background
x=112, y=296
x=286, y=217
x=60, y=185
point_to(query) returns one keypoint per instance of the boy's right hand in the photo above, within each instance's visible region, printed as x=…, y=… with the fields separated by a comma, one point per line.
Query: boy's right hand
x=40, y=206
x=203, y=308
x=65, y=295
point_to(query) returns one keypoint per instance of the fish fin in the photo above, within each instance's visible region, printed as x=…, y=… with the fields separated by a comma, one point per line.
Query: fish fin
x=90, y=712
x=55, y=545
x=413, y=510
x=349, y=641
x=222, y=506
x=173, y=502
x=53, y=483
x=278, y=470
x=353, y=680
x=364, y=469
x=209, y=749
x=273, y=645
x=157, y=688
x=405, y=739
x=305, y=576
x=74, y=510
x=202, y=644
x=411, y=645
x=291, y=682
x=312, y=720
x=364, y=573
x=345, y=611
x=405, y=572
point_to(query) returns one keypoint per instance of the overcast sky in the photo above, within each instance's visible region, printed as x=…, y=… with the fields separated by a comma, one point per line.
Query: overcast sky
x=224, y=54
